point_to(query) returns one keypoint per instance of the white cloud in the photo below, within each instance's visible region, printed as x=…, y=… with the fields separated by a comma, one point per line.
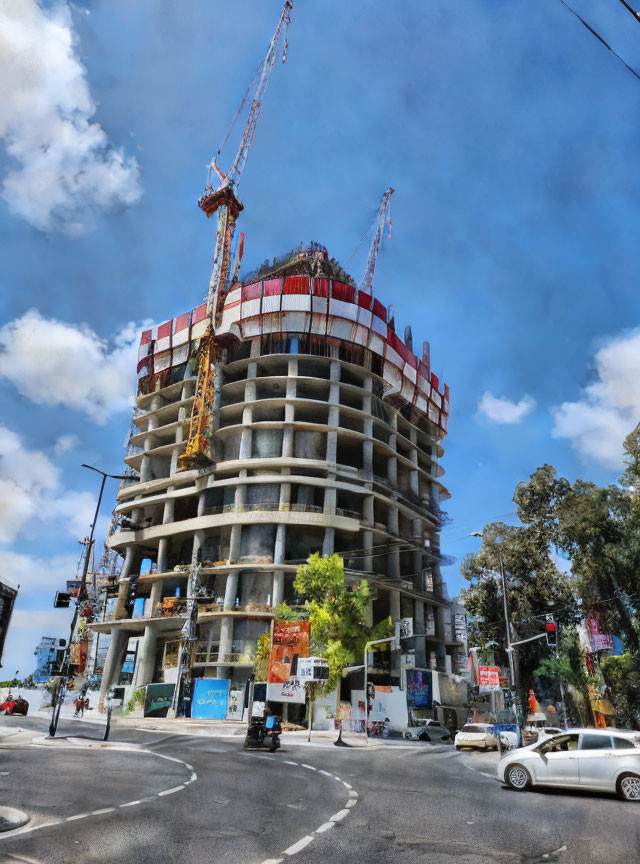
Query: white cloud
x=37, y=576
x=504, y=410
x=65, y=168
x=65, y=443
x=608, y=409
x=31, y=491
x=53, y=363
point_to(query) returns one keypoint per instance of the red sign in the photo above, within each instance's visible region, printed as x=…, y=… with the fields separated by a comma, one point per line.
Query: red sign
x=489, y=676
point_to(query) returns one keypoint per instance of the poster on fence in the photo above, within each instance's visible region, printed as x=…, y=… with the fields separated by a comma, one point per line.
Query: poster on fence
x=290, y=642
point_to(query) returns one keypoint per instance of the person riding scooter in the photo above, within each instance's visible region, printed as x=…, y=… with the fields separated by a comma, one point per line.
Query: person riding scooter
x=263, y=733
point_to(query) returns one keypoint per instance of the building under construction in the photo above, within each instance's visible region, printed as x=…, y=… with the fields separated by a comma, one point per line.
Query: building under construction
x=282, y=417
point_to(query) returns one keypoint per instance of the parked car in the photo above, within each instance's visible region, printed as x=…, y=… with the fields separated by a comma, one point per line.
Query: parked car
x=423, y=729
x=476, y=736
x=606, y=760
x=531, y=734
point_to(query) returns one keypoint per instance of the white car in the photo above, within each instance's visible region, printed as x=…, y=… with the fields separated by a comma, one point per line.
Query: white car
x=605, y=760
x=476, y=736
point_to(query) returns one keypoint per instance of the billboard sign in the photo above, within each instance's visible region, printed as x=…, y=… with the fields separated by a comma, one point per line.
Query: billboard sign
x=158, y=699
x=313, y=669
x=419, y=688
x=290, y=643
x=488, y=678
x=210, y=698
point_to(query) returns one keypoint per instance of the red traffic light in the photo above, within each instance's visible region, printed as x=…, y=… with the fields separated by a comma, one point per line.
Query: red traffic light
x=551, y=627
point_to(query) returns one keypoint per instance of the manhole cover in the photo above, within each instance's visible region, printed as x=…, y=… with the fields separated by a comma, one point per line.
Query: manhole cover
x=11, y=818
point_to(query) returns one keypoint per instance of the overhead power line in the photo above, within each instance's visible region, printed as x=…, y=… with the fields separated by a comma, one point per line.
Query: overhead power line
x=635, y=14
x=600, y=39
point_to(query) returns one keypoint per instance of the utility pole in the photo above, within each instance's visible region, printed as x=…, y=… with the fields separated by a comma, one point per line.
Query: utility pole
x=82, y=593
x=512, y=670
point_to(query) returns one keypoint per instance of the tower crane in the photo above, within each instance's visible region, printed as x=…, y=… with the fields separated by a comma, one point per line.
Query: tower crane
x=224, y=201
x=384, y=216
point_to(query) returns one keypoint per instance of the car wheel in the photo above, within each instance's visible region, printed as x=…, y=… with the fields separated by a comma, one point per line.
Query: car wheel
x=629, y=787
x=458, y=747
x=406, y=736
x=424, y=736
x=517, y=777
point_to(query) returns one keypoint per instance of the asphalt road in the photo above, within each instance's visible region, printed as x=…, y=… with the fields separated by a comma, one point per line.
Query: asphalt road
x=405, y=806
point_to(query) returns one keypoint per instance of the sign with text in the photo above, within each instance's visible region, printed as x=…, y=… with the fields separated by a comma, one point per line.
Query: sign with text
x=291, y=690
x=290, y=643
x=419, y=688
x=488, y=678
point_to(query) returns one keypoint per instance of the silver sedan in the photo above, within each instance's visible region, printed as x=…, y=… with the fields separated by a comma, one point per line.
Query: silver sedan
x=427, y=730
x=601, y=760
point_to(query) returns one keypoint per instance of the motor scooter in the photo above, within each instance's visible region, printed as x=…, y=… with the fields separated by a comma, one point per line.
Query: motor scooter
x=263, y=734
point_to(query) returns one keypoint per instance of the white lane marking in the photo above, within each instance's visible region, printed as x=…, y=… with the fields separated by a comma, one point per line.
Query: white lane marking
x=286, y=762
x=326, y=773
x=339, y=816
x=337, y=778
x=299, y=846
x=351, y=803
x=348, y=785
x=171, y=791
x=310, y=767
x=16, y=857
x=325, y=827
x=353, y=793
x=273, y=861
x=28, y=829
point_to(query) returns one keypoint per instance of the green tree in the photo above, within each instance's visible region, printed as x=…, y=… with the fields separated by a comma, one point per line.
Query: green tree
x=569, y=670
x=622, y=677
x=337, y=613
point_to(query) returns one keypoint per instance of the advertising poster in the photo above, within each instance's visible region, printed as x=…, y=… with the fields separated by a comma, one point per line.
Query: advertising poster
x=235, y=706
x=290, y=642
x=158, y=700
x=488, y=678
x=210, y=698
x=419, y=688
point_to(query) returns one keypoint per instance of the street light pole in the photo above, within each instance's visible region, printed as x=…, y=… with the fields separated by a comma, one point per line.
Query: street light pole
x=82, y=593
x=512, y=669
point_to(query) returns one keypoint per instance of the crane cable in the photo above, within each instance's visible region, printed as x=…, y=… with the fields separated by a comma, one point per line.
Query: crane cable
x=635, y=14
x=600, y=39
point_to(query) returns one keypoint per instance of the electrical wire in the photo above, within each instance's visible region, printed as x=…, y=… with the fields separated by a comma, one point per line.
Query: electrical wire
x=600, y=39
x=635, y=14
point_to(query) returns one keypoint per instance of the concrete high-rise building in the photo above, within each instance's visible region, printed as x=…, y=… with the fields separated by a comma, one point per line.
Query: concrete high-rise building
x=326, y=436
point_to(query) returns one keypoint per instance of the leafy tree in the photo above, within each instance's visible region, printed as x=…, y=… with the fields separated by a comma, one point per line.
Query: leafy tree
x=535, y=586
x=338, y=614
x=622, y=677
x=569, y=670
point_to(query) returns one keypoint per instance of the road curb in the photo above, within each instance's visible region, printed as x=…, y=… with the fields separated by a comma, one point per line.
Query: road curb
x=10, y=819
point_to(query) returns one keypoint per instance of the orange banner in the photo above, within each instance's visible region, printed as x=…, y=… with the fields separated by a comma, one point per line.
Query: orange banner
x=290, y=641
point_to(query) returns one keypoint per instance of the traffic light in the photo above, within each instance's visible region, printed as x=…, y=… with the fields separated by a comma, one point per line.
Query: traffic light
x=552, y=634
x=62, y=600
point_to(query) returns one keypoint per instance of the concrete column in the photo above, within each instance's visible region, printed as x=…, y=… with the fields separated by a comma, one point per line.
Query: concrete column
x=287, y=435
x=169, y=508
x=145, y=469
x=173, y=465
x=147, y=657
x=285, y=494
x=368, y=516
x=416, y=532
x=246, y=438
x=226, y=643
x=419, y=627
x=113, y=662
x=230, y=591
x=332, y=443
x=394, y=605
x=217, y=395
x=367, y=544
x=328, y=543
x=277, y=594
x=156, y=595
x=330, y=498
x=198, y=541
x=392, y=465
x=234, y=542
x=367, y=449
x=129, y=556
x=280, y=544
x=201, y=504
x=163, y=555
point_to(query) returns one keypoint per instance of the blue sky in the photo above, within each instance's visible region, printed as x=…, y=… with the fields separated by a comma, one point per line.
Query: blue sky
x=509, y=133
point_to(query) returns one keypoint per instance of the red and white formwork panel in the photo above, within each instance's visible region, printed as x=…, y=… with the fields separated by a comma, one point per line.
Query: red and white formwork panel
x=313, y=306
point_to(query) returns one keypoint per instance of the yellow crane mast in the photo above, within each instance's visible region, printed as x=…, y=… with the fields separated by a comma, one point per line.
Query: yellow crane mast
x=225, y=203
